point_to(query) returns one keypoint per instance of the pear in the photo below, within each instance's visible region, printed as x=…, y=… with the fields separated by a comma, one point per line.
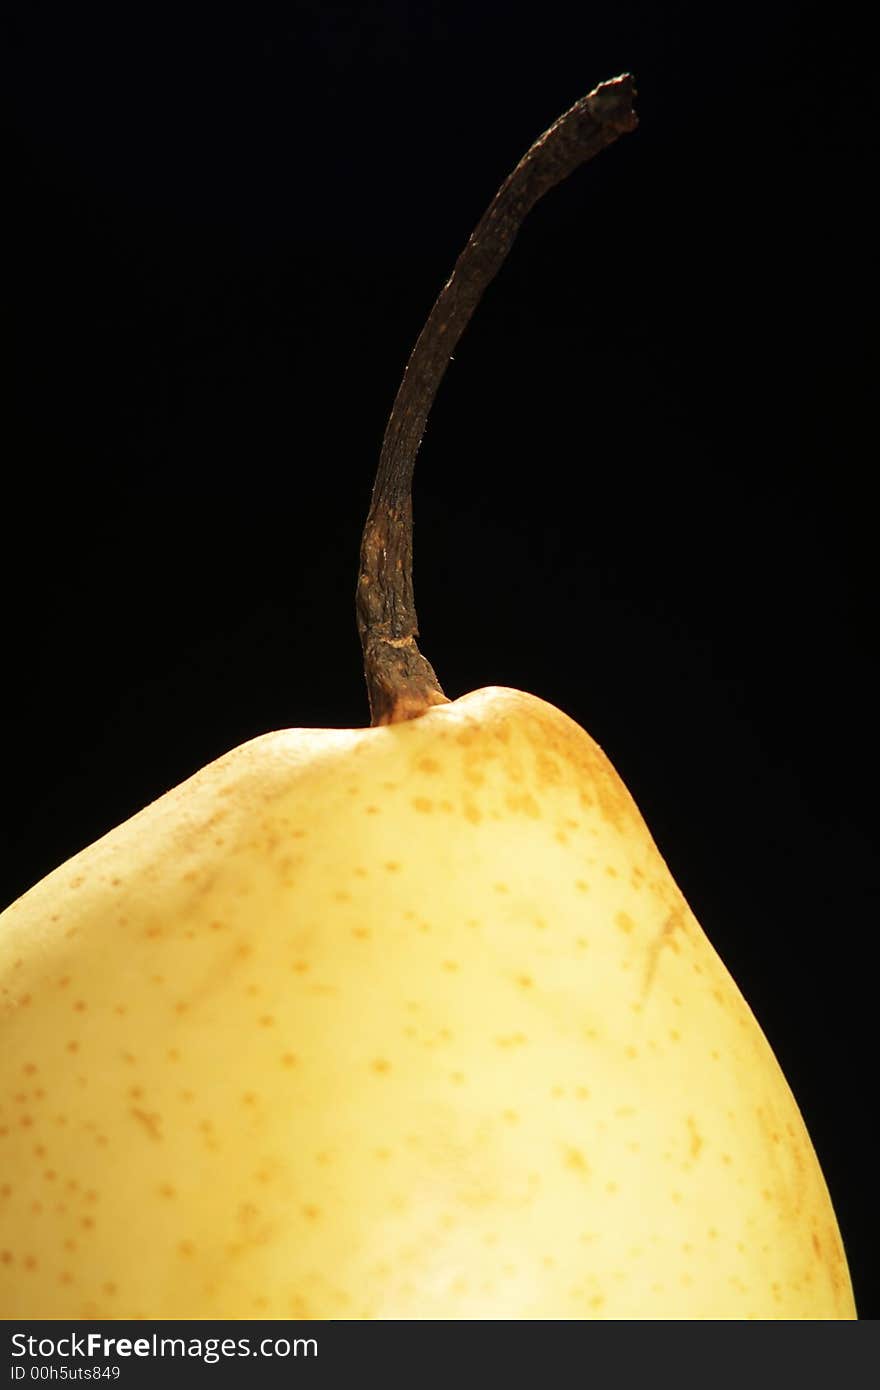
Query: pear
x=400, y=1022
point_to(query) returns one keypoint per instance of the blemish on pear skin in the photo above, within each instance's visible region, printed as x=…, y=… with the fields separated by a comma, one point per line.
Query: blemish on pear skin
x=472, y=813
x=150, y=1120
x=663, y=938
x=474, y=776
x=575, y=1161
x=423, y=804
x=428, y=765
x=547, y=770
x=624, y=922
x=696, y=1140
x=381, y=1066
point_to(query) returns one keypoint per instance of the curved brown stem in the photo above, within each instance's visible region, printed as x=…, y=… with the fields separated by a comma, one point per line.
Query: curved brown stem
x=400, y=682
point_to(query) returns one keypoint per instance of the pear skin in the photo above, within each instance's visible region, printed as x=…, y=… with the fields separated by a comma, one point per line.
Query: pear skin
x=403, y=1022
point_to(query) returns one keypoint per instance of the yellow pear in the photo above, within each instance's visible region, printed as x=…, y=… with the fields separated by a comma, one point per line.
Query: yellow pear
x=402, y=1022
x=408, y=1021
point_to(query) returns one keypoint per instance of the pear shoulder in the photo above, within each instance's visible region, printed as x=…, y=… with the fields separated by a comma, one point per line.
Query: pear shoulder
x=496, y=735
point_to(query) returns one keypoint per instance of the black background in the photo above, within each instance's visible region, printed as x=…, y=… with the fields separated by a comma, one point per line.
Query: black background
x=642, y=494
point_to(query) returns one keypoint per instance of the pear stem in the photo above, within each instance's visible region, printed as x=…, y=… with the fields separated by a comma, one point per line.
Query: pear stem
x=400, y=682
